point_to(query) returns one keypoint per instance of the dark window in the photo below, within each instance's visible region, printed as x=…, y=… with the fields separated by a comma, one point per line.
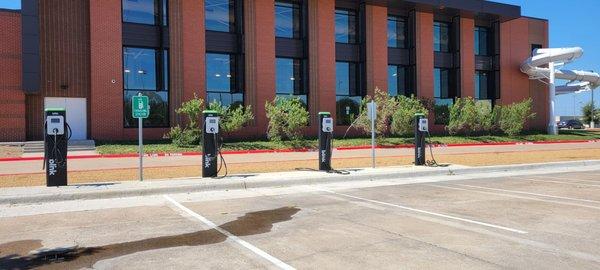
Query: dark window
x=347, y=101
x=288, y=19
x=346, y=24
x=221, y=84
x=482, y=37
x=145, y=11
x=289, y=79
x=398, y=80
x=441, y=37
x=535, y=47
x=220, y=15
x=397, y=32
x=146, y=71
x=441, y=90
x=482, y=80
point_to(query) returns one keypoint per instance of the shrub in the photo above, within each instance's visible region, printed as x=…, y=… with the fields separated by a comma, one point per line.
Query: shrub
x=287, y=117
x=512, y=117
x=233, y=118
x=386, y=106
x=404, y=115
x=190, y=134
x=467, y=116
x=587, y=113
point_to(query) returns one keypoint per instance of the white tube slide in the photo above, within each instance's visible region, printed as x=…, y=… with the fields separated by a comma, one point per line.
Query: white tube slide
x=542, y=66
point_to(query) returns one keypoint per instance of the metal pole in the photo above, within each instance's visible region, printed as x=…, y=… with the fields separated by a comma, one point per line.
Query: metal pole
x=551, y=121
x=592, y=124
x=141, y=145
x=373, y=133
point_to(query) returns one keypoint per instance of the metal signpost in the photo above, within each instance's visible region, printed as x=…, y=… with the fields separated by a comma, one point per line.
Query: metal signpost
x=372, y=112
x=140, y=109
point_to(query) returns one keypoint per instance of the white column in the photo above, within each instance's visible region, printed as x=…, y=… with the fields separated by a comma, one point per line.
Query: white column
x=552, y=130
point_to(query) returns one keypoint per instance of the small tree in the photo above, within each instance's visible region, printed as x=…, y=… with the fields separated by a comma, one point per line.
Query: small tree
x=190, y=134
x=287, y=117
x=587, y=113
x=233, y=118
x=386, y=106
x=514, y=116
x=404, y=115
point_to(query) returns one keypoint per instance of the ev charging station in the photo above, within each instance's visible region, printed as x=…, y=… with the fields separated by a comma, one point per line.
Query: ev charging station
x=325, y=138
x=56, y=137
x=421, y=130
x=210, y=143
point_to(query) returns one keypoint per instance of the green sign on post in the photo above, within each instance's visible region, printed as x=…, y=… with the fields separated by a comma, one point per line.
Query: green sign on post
x=140, y=107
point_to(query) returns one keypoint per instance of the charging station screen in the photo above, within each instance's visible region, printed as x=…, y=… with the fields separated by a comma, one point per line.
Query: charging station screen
x=55, y=120
x=212, y=121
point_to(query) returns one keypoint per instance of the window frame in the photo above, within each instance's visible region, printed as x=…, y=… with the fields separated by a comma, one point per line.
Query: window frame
x=297, y=6
x=235, y=13
x=396, y=19
x=355, y=39
x=162, y=82
x=448, y=26
x=478, y=38
x=161, y=17
x=236, y=80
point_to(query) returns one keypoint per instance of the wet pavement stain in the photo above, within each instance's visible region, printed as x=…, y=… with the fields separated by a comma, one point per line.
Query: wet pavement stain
x=14, y=254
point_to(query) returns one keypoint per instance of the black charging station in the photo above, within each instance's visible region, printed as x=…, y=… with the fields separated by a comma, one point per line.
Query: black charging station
x=210, y=136
x=421, y=130
x=56, y=137
x=325, y=139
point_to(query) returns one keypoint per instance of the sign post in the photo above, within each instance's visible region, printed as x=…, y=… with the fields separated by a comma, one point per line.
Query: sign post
x=140, y=109
x=372, y=112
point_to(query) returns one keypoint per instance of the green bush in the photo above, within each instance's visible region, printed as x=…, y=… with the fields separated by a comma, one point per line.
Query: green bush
x=468, y=116
x=386, y=106
x=587, y=113
x=233, y=118
x=287, y=117
x=513, y=117
x=404, y=115
x=190, y=134
x=441, y=114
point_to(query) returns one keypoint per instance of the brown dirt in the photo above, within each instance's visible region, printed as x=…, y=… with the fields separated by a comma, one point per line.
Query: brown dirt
x=10, y=151
x=483, y=159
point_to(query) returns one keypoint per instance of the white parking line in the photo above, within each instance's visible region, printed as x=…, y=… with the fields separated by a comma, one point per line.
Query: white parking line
x=560, y=182
x=232, y=237
x=561, y=178
x=516, y=196
x=426, y=212
x=529, y=193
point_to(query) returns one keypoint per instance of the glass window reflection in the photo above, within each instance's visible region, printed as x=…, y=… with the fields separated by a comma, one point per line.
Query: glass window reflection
x=220, y=15
x=287, y=19
x=397, y=84
x=345, y=26
x=481, y=41
x=441, y=37
x=139, y=68
x=139, y=11
x=396, y=32
x=221, y=79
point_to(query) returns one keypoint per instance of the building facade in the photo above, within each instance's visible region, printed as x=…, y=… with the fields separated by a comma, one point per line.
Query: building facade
x=92, y=56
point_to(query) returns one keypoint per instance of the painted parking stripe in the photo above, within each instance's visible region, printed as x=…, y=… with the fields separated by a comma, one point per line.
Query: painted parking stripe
x=570, y=178
x=232, y=237
x=561, y=182
x=516, y=196
x=426, y=212
x=529, y=193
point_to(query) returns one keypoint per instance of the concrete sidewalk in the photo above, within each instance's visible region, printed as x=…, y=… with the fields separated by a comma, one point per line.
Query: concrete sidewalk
x=281, y=179
x=35, y=167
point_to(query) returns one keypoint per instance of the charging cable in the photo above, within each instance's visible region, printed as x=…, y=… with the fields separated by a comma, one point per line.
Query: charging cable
x=218, y=147
x=432, y=162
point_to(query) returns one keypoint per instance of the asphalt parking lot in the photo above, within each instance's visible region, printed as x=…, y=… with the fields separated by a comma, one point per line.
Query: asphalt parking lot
x=525, y=222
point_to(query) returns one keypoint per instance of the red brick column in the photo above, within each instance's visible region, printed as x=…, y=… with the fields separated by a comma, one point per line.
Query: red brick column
x=187, y=53
x=467, y=57
x=376, y=47
x=424, y=54
x=321, y=57
x=259, y=25
x=12, y=114
x=106, y=93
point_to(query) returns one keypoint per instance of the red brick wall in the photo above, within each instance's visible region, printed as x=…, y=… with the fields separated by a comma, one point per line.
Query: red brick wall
x=106, y=97
x=377, y=49
x=424, y=57
x=467, y=57
x=12, y=99
x=516, y=37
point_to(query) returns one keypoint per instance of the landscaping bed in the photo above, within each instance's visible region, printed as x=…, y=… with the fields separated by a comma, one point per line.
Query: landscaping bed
x=166, y=146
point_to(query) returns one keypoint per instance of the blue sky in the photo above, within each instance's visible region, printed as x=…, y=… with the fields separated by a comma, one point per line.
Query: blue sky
x=572, y=23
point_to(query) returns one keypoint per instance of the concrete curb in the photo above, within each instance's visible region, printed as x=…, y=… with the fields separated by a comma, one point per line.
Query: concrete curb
x=131, y=189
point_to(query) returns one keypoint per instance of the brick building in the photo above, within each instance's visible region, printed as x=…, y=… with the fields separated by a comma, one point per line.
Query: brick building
x=91, y=56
